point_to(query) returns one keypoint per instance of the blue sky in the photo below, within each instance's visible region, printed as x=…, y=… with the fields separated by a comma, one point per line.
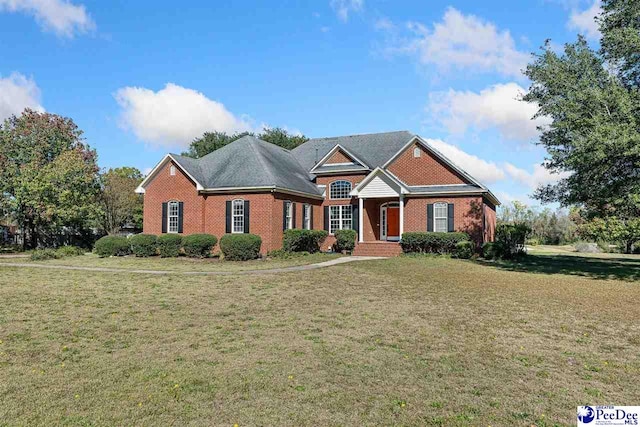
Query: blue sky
x=144, y=78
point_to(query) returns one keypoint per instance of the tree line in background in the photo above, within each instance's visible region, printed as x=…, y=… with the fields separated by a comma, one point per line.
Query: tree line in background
x=53, y=190
x=592, y=99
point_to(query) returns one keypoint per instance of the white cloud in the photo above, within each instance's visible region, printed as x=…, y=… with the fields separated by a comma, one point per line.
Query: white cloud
x=344, y=7
x=60, y=16
x=175, y=115
x=18, y=92
x=485, y=172
x=463, y=42
x=497, y=106
x=584, y=21
x=539, y=176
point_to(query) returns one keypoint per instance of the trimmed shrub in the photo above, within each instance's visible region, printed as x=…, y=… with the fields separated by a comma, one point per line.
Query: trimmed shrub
x=144, y=245
x=169, y=245
x=345, y=240
x=69, y=251
x=464, y=250
x=112, y=246
x=296, y=240
x=240, y=247
x=44, y=254
x=489, y=250
x=198, y=245
x=431, y=242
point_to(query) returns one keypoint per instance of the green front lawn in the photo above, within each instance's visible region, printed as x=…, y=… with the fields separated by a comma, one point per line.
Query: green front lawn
x=181, y=263
x=404, y=341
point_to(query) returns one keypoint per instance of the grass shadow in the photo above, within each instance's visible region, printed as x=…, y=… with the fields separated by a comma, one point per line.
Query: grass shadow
x=594, y=267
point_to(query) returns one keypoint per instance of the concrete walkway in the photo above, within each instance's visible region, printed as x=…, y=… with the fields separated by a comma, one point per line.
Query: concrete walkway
x=329, y=263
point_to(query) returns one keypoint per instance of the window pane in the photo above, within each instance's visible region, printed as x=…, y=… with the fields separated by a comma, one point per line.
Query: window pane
x=238, y=216
x=440, y=217
x=289, y=215
x=173, y=217
x=340, y=190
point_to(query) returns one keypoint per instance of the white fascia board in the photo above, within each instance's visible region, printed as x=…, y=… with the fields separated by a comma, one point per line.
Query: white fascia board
x=331, y=152
x=165, y=159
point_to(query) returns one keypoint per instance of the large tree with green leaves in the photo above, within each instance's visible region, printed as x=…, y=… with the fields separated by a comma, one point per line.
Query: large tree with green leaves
x=48, y=176
x=593, y=102
x=211, y=141
x=119, y=204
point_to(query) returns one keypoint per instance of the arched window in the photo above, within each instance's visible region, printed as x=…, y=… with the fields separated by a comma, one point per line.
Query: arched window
x=416, y=152
x=237, y=216
x=340, y=190
x=440, y=217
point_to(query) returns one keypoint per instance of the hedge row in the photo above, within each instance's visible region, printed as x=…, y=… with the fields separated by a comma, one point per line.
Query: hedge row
x=297, y=240
x=240, y=247
x=166, y=245
x=432, y=242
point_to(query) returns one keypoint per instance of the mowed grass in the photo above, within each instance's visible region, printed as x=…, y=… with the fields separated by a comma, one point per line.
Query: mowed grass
x=181, y=264
x=405, y=341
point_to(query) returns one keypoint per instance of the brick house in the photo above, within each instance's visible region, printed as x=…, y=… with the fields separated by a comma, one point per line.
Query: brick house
x=380, y=185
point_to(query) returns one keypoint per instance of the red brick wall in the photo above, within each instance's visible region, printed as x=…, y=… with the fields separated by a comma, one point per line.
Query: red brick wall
x=467, y=211
x=163, y=188
x=338, y=157
x=489, y=221
x=423, y=170
x=277, y=218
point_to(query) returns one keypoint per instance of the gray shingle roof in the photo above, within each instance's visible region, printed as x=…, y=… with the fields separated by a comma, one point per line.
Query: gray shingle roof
x=374, y=149
x=249, y=162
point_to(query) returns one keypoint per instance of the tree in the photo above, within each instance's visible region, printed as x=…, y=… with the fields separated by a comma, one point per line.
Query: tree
x=547, y=227
x=48, y=176
x=620, y=26
x=211, y=141
x=593, y=102
x=118, y=201
x=624, y=232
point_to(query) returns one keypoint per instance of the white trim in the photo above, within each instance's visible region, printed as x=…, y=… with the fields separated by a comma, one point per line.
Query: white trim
x=446, y=216
x=331, y=152
x=154, y=171
x=384, y=225
x=401, y=215
x=348, y=193
x=354, y=171
x=360, y=227
x=233, y=215
x=376, y=171
x=169, y=216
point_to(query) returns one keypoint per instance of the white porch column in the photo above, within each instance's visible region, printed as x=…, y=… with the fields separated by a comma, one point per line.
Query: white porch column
x=360, y=225
x=401, y=215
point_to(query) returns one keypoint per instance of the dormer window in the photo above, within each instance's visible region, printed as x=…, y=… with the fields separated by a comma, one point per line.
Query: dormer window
x=416, y=152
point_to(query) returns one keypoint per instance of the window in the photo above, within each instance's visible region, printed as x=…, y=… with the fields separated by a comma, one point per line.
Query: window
x=288, y=215
x=440, y=217
x=172, y=217
x=237, y=216
x=416, y=152
x=172, y=170
x=340, y=190
x=307, y=217
x=340, y=218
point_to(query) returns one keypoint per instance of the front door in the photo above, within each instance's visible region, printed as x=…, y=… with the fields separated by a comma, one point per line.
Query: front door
x=393, y=223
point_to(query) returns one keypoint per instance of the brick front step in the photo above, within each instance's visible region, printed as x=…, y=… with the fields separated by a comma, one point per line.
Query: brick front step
x=386, y=249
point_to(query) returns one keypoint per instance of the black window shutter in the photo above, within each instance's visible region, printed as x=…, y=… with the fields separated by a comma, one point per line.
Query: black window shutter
x=180, y=216
x=164, y=217
x=326, y=218
x=228, y=217
x=310, y=217
x=430, y=217
x=355, y=218
x=284, y=215
x=293, y=220
x=451, y=226
x=246, y=216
